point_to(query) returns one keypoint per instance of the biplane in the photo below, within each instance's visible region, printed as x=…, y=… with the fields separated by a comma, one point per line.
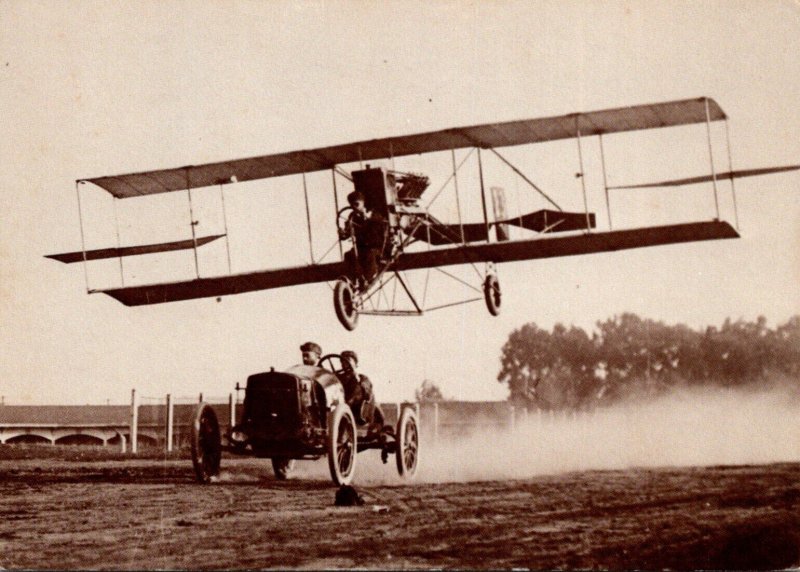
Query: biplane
x=410, y=236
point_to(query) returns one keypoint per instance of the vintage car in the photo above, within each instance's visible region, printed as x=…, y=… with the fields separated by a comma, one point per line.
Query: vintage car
x=301, y=414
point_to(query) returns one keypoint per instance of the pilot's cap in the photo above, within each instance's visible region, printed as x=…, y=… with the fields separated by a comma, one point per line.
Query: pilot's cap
x=355, y=196
x=350, y=354
x=311, y=347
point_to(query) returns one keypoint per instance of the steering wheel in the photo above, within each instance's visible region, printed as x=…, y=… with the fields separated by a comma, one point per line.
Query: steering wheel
x=342, y=217
x=332, y=360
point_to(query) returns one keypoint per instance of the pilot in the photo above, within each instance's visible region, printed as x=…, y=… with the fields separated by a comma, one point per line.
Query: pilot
x=359, y=395
x=311, y=353
x=368, y=229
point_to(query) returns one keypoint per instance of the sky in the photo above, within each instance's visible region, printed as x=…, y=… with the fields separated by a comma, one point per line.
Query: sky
x=90, y=89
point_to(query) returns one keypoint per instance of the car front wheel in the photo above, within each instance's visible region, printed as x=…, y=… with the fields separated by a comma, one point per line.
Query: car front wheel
x=342, y=444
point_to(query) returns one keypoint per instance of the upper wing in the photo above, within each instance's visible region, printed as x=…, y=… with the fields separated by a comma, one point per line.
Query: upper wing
x=486, y=136
x=492, y=252
x=706, y=178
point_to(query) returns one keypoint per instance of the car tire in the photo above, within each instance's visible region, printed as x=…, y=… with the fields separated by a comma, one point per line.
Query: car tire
x=345, y=305
x=206, y=443
x=407, y=439
x=282, y=467
x=342, y=444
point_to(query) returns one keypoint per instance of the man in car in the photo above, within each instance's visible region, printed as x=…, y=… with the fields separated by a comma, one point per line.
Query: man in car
x=368, y=230
x=359, y=395
x=311, y=353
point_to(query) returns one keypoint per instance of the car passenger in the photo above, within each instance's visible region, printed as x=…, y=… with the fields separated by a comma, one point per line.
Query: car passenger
x=359, y=395
x=368, y=229
x=311, y=353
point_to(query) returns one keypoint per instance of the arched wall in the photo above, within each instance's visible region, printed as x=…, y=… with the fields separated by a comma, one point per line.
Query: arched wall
x=26, y=438
x=80, y=439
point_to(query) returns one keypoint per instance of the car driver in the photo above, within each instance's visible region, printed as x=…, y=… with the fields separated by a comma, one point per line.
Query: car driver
x=359, y=395
x=311, y=353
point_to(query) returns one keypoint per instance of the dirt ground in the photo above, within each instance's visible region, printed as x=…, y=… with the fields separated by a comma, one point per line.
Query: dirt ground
x=110, y=513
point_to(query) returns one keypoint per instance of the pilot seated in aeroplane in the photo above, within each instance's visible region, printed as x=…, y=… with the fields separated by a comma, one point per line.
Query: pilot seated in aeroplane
x=368, y=230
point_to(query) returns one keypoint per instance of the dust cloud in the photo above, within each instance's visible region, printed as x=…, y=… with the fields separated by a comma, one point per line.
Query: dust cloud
x=685, y=429
x=681, y=430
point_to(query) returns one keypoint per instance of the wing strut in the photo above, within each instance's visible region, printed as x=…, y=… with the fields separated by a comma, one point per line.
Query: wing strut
x=582, y=178
x=458, y=200
x=483, y=195
x=83, y=240
x=711, y=159
x=524, y=178
x=605, y=180
x=336, y=214
x=308, y=220
x=119, y=244
x=730, y=168
x=192, y=222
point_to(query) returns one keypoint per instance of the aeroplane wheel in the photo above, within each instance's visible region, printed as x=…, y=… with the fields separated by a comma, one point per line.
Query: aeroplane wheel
x=407, y=435
x=342, y=444
x=345, y=305
x=206, y=443
x=282, y=467
x=492, y=294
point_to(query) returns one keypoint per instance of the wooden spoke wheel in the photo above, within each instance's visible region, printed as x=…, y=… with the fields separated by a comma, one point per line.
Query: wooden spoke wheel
x=342, y=444
x=407, y=436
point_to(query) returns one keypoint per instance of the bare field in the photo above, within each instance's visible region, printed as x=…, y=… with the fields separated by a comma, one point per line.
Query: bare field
x=148, y=513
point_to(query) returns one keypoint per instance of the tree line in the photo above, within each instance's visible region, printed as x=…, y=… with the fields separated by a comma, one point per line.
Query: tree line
x=628, y=356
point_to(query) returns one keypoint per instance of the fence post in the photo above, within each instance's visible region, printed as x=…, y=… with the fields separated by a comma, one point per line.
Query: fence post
x=134, y=429
x=232, y=409
x=170, y=423
x=200, y=399
x=435, y=420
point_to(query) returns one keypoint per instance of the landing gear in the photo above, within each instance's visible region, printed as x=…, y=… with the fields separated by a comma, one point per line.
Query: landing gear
x=344, y=302
x=492, y=294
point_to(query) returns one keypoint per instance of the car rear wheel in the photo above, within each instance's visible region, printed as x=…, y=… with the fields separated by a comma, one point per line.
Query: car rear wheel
x=342, y=444
x=344, y=303
x=206, y=443
x=282, y=467
x=407, y=435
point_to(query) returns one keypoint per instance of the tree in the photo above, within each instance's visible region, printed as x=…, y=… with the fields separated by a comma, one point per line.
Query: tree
x=628, y=356
x=428, y=392
x=550, y=370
